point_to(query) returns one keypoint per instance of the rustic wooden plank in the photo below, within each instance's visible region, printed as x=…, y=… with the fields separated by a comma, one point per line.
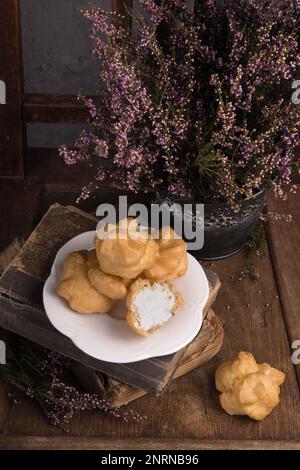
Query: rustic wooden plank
x=11, y=142
x=54, y=193
x=284, y=242
x=64, y=183
x=252, y=320
x=32, y=442
x=54, y=109
x=4, y=406
x=6, y=256
x=260, y=330
x=189, y=407
x=46, y=165
x=19, y=208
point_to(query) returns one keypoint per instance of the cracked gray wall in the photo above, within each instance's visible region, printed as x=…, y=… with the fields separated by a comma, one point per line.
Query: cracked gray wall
x=57, y=58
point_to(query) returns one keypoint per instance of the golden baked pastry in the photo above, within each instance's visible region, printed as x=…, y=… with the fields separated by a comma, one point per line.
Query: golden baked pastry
x=248, y=388
x=76, y=288
x=112, y=286
x=172, y=260
x=91, y=259
x=128, y=254
x=151, y=305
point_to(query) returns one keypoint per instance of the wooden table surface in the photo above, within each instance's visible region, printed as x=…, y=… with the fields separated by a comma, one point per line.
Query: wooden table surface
x=258, y=316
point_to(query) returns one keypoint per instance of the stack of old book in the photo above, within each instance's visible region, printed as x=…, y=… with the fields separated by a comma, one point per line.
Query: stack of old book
x=27, y=266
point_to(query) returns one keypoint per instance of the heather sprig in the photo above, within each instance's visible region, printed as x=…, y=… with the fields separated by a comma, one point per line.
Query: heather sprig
x=195, y=102
x=39, y=374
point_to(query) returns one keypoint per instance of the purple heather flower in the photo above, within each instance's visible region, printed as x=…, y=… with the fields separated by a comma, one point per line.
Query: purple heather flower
x=217, y=79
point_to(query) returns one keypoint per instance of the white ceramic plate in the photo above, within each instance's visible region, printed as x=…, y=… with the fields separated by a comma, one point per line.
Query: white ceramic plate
x=109, y=339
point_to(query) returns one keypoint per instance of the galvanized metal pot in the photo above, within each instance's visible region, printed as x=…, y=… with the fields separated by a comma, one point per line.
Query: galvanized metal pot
x=225, y=231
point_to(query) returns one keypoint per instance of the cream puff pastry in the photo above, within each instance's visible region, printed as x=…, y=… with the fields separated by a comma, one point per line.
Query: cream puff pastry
x=172, y=260
x=151, y=305
x=248, y=388
x=125, y=252
x=76, y=288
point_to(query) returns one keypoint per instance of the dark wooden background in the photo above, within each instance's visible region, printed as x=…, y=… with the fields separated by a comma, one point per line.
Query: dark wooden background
x=258, y=316
x=26, y=173
x=187, y=415
x=16, y=159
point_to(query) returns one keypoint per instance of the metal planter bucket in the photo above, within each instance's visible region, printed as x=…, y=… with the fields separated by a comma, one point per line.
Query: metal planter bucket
x=225, y=231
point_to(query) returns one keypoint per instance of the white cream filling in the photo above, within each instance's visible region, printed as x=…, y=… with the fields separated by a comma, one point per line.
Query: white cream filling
x=153, y=305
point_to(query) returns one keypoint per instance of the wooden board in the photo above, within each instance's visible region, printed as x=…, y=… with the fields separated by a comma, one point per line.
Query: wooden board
x=284, y=241
x=54, y=109
x=187, y=415
x=11, y=131
x=189, y=407
x=22, y=309
x=138, y=443
x=19, y=207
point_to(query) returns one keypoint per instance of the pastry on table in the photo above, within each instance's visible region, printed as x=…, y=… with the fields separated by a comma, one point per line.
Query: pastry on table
x=248, y=388
x=76, y=288
x=150, y=305
x=172, y=260
x=128, y=253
